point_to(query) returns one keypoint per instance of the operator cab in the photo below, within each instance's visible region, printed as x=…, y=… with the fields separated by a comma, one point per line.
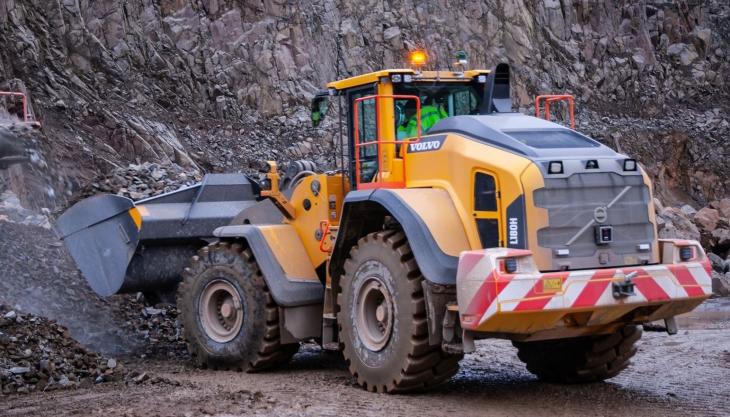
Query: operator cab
x=382, y=110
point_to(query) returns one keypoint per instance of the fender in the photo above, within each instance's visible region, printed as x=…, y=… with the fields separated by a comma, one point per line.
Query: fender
x=293, y=284
x=365, y=210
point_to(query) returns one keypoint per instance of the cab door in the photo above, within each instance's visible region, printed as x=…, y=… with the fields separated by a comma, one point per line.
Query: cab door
x=367, y=132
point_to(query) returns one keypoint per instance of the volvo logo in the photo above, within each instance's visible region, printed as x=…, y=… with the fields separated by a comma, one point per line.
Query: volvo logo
x=600, y=214
x=432, y=143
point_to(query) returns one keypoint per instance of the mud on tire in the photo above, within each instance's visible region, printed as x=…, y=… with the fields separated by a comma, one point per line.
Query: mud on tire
x=582, y=359
x=254, y=343
x=393, y=355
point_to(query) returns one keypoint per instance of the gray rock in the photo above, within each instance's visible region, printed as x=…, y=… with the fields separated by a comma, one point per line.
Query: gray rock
x=683, y=53
x=688, y=210
x=151, y=311
x=718, y=264
x=18, y=370
x=64, y=381
x=721, y=284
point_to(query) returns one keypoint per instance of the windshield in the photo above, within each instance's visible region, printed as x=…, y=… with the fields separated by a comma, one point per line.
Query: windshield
x=438, y=101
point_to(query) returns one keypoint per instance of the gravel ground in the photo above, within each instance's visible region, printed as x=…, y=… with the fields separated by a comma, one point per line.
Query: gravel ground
x=683, y=375
x=687, y=374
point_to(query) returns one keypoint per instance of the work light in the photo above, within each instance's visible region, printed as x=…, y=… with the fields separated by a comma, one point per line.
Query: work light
x=629, y=164
x=555, y=167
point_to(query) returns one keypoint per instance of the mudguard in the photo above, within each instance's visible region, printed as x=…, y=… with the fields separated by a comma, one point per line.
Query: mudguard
x=283, y=261
x=436, y=263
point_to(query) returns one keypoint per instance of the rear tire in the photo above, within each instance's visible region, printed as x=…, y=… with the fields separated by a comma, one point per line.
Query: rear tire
x=230, y=319
x=581, y=359
x=382, y=319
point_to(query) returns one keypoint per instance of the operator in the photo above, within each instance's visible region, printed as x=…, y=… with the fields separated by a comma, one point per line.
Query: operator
x=430, y=115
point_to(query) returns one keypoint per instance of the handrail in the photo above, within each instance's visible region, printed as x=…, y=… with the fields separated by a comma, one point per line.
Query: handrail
x=27, y=117
x=324, y=227
x=550, y=98
x=377, y=142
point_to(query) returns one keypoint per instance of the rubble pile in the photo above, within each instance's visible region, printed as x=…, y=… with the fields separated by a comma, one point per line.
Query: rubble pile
x=710, y=226
x=38, y=276
x=12, y=211
x=138, y=181
x=672, y=147
x=37, y=354
x=156, y=327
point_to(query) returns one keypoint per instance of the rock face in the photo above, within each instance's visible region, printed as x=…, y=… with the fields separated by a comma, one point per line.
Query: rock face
x=221, y=84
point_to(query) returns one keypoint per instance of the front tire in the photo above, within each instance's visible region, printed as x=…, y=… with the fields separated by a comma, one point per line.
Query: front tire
x=382, y=319
x=580, y=359
x=230, y=319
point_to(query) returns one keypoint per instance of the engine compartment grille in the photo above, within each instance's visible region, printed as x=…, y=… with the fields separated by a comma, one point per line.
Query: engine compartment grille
x=571, y=203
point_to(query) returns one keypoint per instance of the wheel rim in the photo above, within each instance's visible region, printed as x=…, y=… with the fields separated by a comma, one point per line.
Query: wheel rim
x=374, y=314
x=221, y=313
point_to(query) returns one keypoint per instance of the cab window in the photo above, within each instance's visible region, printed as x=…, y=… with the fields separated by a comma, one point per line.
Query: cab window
x=438, y=101
x=366, y=132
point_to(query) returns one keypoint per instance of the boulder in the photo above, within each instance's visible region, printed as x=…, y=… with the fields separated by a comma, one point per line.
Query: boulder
x=721, y=284
x=718, y=264
x=677, y=225
x=688, y=210
x=707, y=219
x=682, y=53
x=723, y=206
x=721, y=237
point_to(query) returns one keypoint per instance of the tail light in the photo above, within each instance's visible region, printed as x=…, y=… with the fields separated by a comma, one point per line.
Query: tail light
x=510, y=265
x=686, y=253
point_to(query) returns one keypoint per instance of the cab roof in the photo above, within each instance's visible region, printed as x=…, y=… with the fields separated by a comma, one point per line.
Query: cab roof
x=373, y=77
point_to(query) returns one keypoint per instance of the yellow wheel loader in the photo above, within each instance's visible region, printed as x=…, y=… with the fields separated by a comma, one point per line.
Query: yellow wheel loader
x=453, y=219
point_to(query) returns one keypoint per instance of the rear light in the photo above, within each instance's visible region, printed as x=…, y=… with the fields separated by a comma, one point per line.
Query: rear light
x=686, y=253
x=510, y=265
x=555, y=167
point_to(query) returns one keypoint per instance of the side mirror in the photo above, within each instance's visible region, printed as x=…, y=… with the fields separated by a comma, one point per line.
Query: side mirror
x=320, y=104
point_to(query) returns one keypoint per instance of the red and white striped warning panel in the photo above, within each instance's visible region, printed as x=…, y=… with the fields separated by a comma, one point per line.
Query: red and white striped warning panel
x=485, y=288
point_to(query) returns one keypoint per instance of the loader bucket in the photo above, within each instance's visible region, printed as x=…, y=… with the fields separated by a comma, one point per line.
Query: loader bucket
x=101, y=235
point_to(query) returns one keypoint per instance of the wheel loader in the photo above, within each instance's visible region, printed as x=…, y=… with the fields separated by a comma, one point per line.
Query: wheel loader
x=487, y=224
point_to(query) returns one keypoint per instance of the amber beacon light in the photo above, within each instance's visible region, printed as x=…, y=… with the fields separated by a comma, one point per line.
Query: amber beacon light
x=418, y=58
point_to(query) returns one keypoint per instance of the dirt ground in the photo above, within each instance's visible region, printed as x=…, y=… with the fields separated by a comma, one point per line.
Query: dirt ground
x=681, y=375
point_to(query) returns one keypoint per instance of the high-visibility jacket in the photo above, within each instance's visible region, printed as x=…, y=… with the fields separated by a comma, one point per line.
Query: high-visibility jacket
x=429, y=116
